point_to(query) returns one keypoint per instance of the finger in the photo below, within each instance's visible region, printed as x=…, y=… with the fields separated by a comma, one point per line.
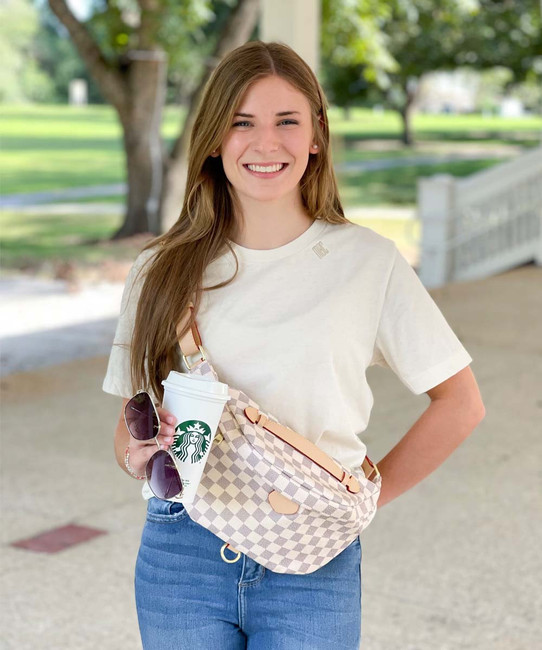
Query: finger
x=166, y=430
x=166, y=416
x=165, y=439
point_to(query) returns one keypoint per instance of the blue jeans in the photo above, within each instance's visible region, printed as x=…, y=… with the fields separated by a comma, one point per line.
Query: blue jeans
x=188, y=598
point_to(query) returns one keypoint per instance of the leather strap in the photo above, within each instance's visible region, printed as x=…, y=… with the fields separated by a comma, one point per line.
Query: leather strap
x=305, y=447
x=191, y=342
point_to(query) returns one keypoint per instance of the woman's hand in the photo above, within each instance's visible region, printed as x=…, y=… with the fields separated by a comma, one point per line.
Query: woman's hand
x=141, y=450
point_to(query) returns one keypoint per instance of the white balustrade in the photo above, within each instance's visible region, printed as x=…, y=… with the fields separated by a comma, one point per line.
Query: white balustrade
x=483, y=224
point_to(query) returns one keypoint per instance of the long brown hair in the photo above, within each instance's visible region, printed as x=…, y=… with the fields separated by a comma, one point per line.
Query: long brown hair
x=201, y=233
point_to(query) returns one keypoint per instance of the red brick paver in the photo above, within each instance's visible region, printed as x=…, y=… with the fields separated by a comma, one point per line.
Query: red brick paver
x=59, y=539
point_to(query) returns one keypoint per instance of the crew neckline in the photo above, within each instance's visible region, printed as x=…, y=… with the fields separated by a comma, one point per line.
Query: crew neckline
x=252, y=255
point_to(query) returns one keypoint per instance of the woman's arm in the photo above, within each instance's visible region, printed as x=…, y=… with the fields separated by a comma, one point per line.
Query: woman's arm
x=455, y=410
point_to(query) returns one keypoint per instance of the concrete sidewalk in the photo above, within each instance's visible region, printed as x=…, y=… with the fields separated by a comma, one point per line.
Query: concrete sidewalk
x=43, y=322
x=453, y=564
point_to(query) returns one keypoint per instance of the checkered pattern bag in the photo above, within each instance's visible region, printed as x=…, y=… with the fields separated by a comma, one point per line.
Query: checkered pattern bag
x=269, y=500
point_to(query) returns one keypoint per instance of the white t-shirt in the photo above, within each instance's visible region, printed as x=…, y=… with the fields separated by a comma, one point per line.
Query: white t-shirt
x=300, y=324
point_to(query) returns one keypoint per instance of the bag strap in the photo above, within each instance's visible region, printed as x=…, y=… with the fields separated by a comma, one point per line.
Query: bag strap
x=305, y=447
x=191, y=344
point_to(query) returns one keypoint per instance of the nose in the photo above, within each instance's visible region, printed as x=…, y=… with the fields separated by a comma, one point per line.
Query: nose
x=265, y=139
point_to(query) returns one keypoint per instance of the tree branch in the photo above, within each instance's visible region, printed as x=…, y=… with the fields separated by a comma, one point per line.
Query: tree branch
x=108, y=78
x=150, y=19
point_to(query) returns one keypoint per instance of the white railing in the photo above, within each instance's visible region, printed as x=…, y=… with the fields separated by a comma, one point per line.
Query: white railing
x=484, y=224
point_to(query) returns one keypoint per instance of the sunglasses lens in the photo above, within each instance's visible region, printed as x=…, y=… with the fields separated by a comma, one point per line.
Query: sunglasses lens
x=162, y=475
x=141, y=417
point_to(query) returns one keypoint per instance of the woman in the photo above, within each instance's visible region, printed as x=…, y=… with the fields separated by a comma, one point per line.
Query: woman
x=293, y=303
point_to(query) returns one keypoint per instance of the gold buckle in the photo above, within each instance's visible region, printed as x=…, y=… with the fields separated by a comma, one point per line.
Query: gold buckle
x=203, y=358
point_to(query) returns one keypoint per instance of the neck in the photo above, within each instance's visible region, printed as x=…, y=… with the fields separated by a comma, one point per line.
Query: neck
x=263, y=226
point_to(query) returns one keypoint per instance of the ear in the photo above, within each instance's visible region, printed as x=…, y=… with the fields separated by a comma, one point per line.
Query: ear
x=321, y=120
x=214, y=154
x=312, y=149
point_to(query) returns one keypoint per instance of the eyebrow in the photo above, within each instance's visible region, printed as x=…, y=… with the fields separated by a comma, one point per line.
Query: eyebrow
x=281, y=114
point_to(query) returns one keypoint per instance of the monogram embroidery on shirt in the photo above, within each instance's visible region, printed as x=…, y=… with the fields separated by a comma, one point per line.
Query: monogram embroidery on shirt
x=320, y=249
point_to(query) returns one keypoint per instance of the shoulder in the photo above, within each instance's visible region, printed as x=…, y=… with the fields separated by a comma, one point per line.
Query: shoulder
x=141, y=264
x=143, y=260
x=135, y=278
x=361, y=245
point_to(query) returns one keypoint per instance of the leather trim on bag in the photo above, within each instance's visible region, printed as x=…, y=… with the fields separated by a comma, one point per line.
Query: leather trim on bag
x=305, y=447
x=282, y=504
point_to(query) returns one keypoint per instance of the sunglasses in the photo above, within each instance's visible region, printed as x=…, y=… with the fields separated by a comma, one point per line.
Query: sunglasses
x=143, y=423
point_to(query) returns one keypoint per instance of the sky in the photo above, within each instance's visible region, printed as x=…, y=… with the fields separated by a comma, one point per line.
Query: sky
x=80, y=8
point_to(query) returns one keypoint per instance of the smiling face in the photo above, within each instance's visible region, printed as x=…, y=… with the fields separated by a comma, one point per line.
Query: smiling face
x=267, y=148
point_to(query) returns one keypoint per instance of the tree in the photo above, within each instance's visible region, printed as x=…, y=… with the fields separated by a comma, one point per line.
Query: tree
x=56, y=55
x=125, y=46
x=506, y=35
x=21, y=77
x=354, y=54
x=420, y=36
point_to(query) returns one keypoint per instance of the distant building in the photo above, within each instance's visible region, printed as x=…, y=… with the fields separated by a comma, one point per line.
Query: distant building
x=459, y=92
x=447, y=92
x=512, y=107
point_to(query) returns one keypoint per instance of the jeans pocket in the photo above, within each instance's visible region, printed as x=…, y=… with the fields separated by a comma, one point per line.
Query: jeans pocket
x=161, y=511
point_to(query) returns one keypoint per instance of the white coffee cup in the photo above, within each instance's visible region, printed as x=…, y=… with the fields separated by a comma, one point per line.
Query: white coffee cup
x=197, y=403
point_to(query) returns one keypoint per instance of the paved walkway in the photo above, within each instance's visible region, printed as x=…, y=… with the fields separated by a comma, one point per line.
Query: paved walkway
x=61, y=195
x=452, y=565
x=42, y=322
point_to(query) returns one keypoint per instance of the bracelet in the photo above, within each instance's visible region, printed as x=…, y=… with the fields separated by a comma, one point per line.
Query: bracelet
x=129, y=467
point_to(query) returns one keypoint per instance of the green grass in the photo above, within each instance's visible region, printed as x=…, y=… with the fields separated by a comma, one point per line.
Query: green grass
x=51, y=147
x=399, y=186
x=366, y=124
x=29, y=242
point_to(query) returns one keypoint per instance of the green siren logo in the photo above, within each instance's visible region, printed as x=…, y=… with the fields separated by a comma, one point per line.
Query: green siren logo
x=191, y=441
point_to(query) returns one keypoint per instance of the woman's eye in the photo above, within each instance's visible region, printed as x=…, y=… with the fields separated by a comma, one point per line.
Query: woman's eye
x=248, y=123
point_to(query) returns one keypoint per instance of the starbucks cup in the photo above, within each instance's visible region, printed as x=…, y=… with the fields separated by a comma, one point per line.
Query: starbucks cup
x=197, y=403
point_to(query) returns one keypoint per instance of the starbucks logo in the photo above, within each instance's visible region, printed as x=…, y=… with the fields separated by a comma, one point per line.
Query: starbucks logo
x=191, y=440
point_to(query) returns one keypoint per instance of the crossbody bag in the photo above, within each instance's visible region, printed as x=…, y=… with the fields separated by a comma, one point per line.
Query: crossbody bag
x=271, y=493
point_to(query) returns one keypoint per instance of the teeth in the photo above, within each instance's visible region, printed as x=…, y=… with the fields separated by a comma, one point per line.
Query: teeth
x=268, y=169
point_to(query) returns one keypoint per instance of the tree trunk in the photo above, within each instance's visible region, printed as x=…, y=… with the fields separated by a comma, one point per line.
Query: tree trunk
x=406, y=111
x=406, y=136
x=143, y=143
x=137, y=92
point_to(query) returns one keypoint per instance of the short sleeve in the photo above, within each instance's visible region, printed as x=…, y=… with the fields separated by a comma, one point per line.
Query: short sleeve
x=117, y=379
x=413, y=337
